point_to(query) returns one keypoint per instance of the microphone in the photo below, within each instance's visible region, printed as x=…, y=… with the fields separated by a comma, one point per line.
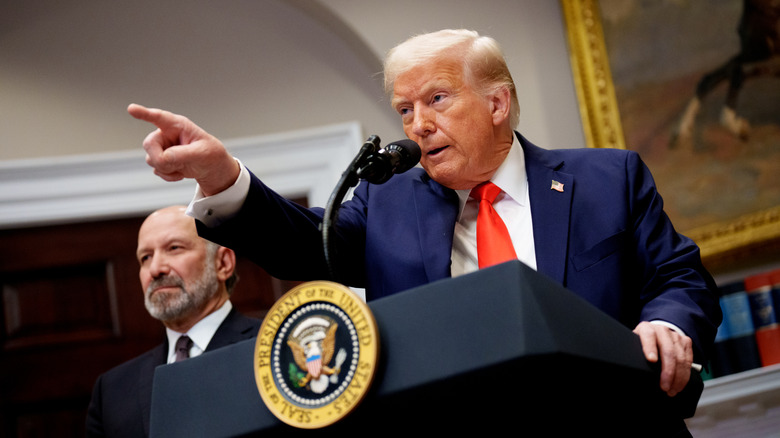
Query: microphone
x=395, y=158
x=376, y=166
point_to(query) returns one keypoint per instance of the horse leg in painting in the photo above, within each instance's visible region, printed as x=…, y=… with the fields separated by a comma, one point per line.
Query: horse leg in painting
x=758, y=35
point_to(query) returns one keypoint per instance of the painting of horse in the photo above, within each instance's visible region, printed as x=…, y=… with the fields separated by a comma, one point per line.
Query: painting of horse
x=698, y=89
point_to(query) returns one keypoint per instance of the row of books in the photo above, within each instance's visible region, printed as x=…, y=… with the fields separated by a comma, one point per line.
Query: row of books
x=749, y=336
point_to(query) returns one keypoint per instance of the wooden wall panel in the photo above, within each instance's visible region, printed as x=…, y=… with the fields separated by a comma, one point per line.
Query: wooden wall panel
x=37, y=305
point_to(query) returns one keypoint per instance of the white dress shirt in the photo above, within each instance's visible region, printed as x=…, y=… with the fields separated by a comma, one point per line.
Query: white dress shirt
x=215, y=209
x=512, y=204
x=201, y=333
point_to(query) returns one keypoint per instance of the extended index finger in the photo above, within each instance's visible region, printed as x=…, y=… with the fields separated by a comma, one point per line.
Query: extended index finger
x=159, y=118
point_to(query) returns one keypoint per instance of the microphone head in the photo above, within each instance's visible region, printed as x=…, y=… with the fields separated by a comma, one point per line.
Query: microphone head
x=397, y=157
x=407, y=152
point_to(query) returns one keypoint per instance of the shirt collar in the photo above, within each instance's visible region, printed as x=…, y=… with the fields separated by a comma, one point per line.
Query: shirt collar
x=510, y=176
x=202, y=332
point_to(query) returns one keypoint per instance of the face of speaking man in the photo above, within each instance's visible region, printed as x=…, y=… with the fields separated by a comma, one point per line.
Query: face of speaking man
x=178, y=271
x=463, y=134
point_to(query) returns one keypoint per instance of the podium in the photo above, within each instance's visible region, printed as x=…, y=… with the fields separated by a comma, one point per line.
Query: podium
x=504, y=347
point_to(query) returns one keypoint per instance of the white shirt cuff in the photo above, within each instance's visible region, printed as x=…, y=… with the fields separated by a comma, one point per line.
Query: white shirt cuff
x=668, y=325
x=213, y=210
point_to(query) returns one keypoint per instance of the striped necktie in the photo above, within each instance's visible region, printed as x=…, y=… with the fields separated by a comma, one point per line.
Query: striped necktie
x=183, y=345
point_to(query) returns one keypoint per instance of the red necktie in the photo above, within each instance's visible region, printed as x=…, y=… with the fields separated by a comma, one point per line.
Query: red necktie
x=494, y=245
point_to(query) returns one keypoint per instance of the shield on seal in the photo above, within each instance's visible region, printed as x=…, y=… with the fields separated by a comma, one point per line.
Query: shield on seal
x=314, y=365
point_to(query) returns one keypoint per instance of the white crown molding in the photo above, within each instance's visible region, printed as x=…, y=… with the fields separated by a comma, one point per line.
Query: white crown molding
x=45, y=191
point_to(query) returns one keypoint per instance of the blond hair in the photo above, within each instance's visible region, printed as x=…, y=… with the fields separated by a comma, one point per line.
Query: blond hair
x=484, y=65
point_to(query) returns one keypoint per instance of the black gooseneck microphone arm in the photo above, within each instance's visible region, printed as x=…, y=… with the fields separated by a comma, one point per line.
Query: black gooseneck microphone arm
x=376, y=166
x=348, y=180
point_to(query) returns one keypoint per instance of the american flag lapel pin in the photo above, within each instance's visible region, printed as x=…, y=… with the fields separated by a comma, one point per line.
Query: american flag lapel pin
x=557, y=186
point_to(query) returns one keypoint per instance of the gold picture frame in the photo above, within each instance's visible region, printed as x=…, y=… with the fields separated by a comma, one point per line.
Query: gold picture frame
x=723, y=244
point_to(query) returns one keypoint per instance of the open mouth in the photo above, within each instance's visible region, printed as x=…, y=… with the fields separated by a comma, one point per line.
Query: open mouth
x=437, y=150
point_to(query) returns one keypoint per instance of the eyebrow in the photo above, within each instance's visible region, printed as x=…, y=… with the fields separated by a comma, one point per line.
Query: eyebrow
x=395, y=102
x=427, y=89
x=170, y=240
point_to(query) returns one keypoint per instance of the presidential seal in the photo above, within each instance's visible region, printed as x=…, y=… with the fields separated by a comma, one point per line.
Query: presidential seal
x=316, y=354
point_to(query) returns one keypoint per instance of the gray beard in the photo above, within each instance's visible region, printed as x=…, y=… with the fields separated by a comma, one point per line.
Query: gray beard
x=171, y=306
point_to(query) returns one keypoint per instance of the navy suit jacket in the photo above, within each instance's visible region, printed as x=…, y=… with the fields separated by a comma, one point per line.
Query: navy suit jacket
x=605, y=237
x=122, y=397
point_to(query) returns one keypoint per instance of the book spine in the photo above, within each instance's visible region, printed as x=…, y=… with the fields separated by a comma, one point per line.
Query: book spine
x=741, y=344
x=760, y=292
x=720, y=364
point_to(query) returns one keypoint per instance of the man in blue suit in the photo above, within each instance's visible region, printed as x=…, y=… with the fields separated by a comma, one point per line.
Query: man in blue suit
x=589, y=218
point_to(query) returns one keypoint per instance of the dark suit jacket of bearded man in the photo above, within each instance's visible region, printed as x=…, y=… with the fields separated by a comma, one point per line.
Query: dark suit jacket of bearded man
x=122, y=397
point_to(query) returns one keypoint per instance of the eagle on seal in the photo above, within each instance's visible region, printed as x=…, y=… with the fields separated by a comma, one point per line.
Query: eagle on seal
x=314, y=354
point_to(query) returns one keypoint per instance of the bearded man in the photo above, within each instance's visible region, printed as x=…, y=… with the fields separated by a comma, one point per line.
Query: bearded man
x=187, y=282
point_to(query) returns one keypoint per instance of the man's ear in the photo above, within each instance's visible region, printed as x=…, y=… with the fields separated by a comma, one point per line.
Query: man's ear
x=500, y=101
x=225, y=263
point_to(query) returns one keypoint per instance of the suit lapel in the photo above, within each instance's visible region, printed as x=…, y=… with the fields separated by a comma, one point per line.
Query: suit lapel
x=550, y=210
x=233, y=329
x=436, y=208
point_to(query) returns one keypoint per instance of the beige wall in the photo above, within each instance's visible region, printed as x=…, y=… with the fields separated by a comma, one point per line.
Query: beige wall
x=247, y=67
